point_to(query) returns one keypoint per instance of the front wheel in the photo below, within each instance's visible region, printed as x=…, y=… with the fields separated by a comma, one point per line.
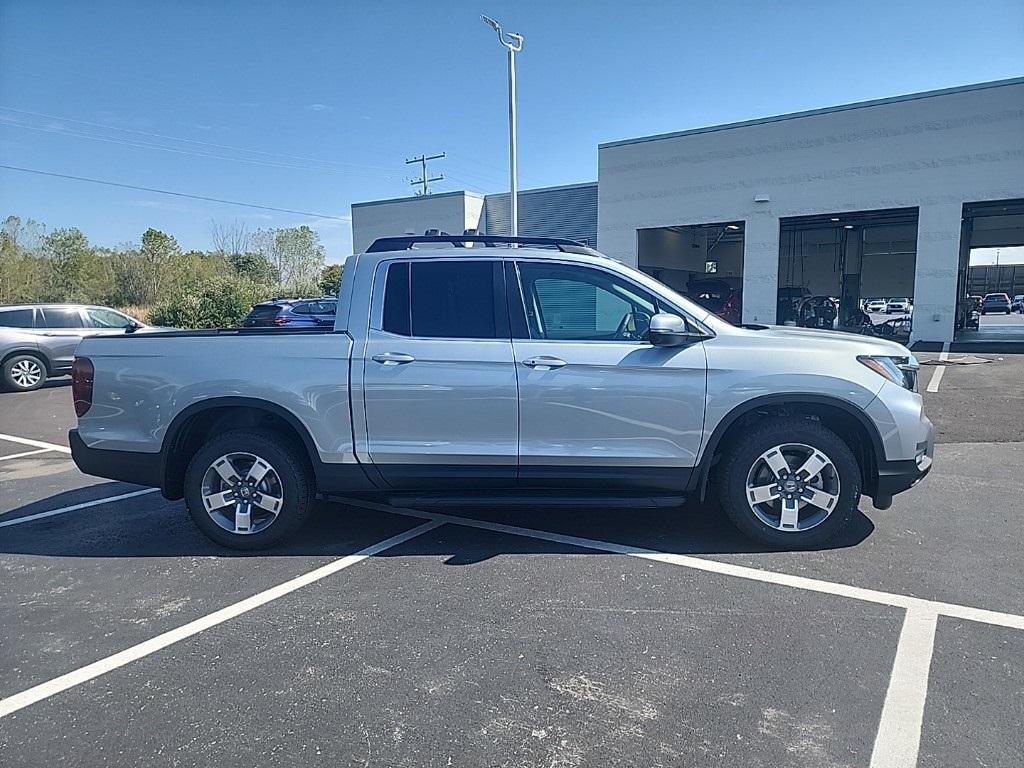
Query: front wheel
x=790, y=483
x=248, y=489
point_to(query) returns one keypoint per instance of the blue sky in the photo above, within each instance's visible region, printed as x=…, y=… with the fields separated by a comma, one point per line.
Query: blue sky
x=331, y=97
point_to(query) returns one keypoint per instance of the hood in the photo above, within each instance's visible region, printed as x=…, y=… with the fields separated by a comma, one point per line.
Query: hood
x=866, y=345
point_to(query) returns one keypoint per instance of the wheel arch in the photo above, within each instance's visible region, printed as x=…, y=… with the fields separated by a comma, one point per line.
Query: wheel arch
x=198, y=422
x=848, y=421
x=35, y=352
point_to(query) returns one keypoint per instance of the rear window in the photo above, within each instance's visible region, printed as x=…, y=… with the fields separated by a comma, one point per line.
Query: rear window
x=16, y=318
x=61, y=318
x=264, y=311
x=444, y=299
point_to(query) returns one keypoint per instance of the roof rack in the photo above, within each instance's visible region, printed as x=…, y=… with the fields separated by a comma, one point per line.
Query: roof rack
x=406, y=242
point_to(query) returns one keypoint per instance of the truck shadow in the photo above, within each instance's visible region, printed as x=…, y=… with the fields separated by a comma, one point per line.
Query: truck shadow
x=149, y=526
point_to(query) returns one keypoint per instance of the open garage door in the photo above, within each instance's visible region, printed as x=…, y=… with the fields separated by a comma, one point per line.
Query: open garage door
x=991, y=266
x=701, y=261
x=850, y=271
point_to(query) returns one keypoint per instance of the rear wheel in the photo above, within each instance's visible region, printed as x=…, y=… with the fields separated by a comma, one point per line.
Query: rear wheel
x=24, y=372
x=790, y=482
x=248, y=489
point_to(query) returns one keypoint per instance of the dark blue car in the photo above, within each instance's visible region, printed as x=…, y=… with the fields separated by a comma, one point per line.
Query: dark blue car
x=292, y=313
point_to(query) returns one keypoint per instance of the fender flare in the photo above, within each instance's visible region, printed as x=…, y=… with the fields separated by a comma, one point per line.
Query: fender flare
x=789, y=398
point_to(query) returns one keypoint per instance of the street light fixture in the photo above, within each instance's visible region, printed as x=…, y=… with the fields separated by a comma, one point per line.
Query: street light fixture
x=514, y=44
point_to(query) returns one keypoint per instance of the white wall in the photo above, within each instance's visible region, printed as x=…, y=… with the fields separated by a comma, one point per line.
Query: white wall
x=934, y=152
x=452, y=212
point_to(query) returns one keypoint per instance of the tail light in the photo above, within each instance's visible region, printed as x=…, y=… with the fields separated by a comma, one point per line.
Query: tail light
x=281, y=321
x=82, y=375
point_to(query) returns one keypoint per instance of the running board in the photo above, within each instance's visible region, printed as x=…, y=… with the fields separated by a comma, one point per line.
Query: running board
x=527, y=499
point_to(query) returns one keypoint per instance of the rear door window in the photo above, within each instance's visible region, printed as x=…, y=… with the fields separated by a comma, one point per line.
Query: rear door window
x=456, y=299
x=16, y=318
x=59, y=317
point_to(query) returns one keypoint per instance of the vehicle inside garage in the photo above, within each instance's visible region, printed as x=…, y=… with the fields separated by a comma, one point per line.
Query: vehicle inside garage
x=851, y=271
x=701, y=261
x=991, y=263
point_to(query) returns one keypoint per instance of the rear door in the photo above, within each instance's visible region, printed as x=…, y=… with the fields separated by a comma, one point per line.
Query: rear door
x=439, y=380
x=61, y=329
x=599, y=405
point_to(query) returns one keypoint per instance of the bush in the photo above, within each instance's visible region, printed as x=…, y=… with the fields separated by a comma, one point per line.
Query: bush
x=220, y=303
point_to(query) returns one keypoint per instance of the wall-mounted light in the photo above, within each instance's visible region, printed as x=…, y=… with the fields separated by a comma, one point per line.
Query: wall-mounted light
x=762, y=198
x=848, y=226
x=834, y=218
x=733, y=227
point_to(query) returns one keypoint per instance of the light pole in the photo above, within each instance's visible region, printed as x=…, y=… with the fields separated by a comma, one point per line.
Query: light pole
x=514, y=44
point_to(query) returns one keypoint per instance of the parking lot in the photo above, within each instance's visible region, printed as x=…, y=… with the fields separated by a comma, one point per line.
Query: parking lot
x=544, y=637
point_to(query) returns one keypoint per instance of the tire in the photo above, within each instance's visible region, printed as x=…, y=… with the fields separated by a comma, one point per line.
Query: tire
x=745, y=466
x=23, y=373
x=286, y=483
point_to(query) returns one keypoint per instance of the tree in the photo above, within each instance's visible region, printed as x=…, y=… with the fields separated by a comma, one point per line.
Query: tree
x=78, y=272
x=24, y=275
x=253, y=266
x=230, y=239
x=296, y=254
x=330, y=279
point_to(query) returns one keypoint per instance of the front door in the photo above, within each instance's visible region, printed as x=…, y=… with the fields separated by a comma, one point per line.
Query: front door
x=439, y=380
x=599, y=405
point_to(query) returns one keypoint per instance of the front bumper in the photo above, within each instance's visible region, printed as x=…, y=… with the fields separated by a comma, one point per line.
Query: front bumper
x=127, y=466
x=899, y=476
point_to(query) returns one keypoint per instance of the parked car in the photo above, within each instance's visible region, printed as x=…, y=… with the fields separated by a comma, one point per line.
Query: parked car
x=718, y=297
x=1017, y=305
x=901, y=305
x=518, y=375
x=995, y=302
x=297, y=313
x=875, y=305
x=38, y=341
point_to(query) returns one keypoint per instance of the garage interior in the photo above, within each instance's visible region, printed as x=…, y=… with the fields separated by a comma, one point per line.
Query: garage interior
x=986, y=226
x=701, y=261
x=831, y=266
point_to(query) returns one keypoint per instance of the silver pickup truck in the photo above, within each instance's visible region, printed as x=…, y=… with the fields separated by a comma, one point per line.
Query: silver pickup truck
x=467, y=372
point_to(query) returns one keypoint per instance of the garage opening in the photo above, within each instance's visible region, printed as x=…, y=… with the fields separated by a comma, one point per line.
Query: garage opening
x=850, y=271
x=990, y=287
x=701, y=261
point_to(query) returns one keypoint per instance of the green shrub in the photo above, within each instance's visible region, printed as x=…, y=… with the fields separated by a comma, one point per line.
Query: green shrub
x=219, y=303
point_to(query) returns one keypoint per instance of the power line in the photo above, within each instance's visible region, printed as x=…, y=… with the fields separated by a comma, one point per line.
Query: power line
x=423, y=180
x=168, y=192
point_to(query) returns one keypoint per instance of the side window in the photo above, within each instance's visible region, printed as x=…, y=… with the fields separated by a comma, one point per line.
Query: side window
x=445, y=299
x=302, y=309
x=576, y=303
x=105, y=318
x=16, y=318
x=61, y=318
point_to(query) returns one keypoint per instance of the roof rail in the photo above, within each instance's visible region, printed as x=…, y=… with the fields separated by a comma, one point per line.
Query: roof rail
x=406, y=242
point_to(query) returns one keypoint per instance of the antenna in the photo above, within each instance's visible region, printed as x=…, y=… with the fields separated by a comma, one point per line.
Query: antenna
x=424, y=180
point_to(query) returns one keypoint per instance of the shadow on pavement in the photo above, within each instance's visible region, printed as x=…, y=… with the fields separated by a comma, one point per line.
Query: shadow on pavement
x=150, y=526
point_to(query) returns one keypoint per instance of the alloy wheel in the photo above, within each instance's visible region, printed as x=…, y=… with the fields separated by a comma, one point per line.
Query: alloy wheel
x=792, y=487
x=26, y=373
x=242, y=493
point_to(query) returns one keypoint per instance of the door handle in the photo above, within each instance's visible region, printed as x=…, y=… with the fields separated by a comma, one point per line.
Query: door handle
x=544, y=361
x=393, y=358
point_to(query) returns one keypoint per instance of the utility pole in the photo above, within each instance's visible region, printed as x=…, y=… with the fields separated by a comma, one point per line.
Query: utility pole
x=513, y=43
x=423, y=180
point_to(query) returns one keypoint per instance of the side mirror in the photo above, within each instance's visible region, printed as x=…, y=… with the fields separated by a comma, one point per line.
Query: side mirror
x=670, y=331
x=132, y=327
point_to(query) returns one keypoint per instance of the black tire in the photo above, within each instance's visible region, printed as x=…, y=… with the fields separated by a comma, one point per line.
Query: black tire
x=17, y=371
x=294, y=482
x=763, y=436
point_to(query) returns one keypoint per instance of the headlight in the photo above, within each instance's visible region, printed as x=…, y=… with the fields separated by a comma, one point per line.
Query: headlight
x=898, y=370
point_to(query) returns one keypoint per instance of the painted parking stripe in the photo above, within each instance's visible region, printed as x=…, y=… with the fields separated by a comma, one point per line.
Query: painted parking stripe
x=933, y=384
x=23, y=454
x=35, y=443
x=981, y=615
x=899, y=730
x=76, y=507
x=91, y=671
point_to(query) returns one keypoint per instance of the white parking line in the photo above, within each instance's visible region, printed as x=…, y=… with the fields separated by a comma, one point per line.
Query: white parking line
x=35, y=443
x=23, y=454
x=899, y=730
x=981, y=615
x=933, y=384
x=91, y=671
x=76, y=507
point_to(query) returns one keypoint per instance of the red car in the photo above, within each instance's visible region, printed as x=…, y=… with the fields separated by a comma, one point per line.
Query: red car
x=719, y=297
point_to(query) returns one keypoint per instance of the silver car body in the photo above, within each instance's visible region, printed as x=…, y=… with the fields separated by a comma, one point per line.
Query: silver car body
x=400, y=412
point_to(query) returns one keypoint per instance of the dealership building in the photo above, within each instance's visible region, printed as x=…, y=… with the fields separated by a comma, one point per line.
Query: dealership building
x=876, y=199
